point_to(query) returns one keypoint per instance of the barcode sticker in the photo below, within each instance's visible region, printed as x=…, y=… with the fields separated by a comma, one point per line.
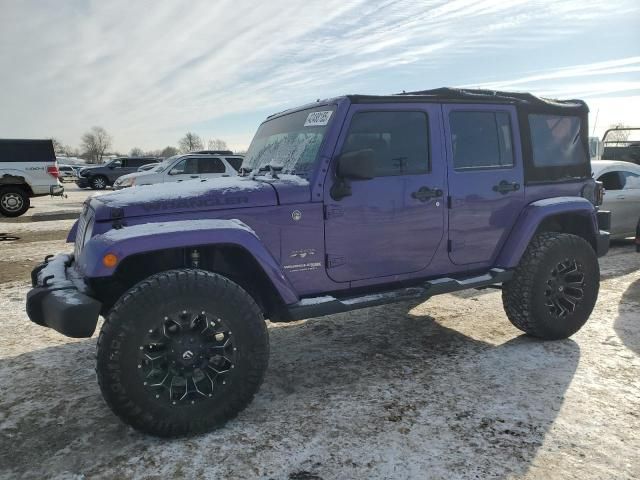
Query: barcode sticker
x=315, y=119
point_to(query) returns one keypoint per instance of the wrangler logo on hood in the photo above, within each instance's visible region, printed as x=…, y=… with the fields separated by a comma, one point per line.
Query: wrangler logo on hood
x=200, y=202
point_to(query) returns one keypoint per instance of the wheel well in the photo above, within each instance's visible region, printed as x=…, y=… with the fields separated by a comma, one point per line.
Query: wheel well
x=15, y=181
x=231, y=261
x=579, y=225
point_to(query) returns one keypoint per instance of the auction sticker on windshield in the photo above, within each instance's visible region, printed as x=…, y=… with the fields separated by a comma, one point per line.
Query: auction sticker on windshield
x=315, y=119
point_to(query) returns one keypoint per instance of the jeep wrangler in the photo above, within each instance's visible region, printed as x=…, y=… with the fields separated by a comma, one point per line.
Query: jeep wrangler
x=342, y=204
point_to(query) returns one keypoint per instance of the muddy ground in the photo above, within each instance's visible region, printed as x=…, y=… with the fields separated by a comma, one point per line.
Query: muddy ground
x=445, y=389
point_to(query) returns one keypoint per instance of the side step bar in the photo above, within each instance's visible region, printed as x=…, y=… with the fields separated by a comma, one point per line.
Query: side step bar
x=328, y=305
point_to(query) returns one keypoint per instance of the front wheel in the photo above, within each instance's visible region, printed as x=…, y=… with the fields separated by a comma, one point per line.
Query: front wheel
x=554, y=288
x=98, y=182
x=182, y=352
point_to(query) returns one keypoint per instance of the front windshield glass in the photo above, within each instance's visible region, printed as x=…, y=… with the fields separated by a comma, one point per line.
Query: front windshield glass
x=291, y=141
x=165, y=164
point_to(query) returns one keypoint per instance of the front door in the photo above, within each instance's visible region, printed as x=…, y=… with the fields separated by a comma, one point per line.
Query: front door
x=485, y=180
x=392, y=224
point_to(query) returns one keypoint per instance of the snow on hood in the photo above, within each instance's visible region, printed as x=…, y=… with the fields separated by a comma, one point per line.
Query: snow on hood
x=215, y=194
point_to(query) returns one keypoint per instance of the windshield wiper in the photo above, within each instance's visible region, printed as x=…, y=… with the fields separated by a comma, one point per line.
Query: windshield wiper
x=273, y=169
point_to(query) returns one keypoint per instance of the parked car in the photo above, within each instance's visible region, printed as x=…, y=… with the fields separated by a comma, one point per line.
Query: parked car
x=28, y=169
x=638, y=237
x=621, y=181
x=103, y=176
x=68, y=173
x=179, y=168
x=351, y=202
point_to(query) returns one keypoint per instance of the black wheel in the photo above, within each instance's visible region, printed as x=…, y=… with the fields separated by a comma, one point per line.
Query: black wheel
x=98, y=182
x=554, y=288
x=14, y=201
x=182, y=352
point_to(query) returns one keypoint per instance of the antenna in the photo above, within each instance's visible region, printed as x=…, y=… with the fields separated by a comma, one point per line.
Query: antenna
x=593, y=132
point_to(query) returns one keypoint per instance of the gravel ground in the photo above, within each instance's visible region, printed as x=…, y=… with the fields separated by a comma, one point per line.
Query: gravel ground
x=444, y=389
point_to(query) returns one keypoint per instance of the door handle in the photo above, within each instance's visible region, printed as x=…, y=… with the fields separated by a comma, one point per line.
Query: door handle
x=425, y=193
x=194, y=176
x=505, y=187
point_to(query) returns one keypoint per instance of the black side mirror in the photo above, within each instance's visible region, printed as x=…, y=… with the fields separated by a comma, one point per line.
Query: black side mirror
x=357, y=165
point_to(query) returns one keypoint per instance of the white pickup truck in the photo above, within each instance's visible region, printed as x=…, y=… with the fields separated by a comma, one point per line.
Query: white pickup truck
x=28, y=169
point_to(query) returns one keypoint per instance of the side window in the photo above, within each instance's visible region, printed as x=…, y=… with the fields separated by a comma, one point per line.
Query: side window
x=210, y=165
x=186, y=167
x=631, y=181
x=481, y=140
x=399, y=140
x=611, y=181
x=556, y=141
x=119, y=163
x=235, y=162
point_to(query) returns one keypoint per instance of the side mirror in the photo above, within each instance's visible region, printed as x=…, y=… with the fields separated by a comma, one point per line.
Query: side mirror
x=111, y=166
x=175, y=171
x=357, y=165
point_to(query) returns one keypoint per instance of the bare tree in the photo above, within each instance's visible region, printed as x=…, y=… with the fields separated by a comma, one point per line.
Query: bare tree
x=95, y=143
x=169, y=152
x=217, y=144
x=190, y=142
x=136, y=152
x=58, y=147
x=619, y=136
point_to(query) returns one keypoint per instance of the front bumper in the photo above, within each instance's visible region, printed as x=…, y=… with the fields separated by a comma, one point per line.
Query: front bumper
x=82, y=182
x=56, y=302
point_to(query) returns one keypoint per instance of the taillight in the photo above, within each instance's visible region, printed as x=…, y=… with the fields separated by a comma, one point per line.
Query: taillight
x=599, y=194
x=53, y=171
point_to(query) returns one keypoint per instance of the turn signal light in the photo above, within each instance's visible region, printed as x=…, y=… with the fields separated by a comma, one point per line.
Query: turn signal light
x=109, y=260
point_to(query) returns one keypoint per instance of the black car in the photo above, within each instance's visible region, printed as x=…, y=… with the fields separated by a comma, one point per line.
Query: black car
x=103, y=176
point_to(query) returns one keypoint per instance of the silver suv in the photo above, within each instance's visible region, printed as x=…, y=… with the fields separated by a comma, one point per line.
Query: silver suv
x=180, y=168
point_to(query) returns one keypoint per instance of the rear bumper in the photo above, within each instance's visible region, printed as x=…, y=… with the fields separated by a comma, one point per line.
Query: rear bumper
x=604, y=225
x=56, y=302
x=56, y=190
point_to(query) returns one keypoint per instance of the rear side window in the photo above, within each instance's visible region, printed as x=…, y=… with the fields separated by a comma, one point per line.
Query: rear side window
x=556, y=141
x=210, y=165
x=481, y=140
x=235, y=162
x=399, y=140
x=26, y=151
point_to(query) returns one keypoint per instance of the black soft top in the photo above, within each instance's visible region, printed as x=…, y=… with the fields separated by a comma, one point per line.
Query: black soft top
x=524, y=101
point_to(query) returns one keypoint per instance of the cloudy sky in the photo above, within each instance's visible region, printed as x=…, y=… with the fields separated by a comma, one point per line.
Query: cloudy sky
x=148, y=71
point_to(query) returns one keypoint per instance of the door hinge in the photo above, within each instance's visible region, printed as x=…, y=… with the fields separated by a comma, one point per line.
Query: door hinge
x=332, y=211
x=449, y=246
x=334, y=260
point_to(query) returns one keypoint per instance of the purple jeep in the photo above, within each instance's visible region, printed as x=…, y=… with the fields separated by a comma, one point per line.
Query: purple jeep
x=342, y=204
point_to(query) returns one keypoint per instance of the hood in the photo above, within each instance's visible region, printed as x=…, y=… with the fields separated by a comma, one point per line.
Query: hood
x=192, y=196
x=134, y=175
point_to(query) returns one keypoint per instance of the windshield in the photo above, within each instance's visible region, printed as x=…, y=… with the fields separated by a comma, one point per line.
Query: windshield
x=165, y=163
x=291, y=141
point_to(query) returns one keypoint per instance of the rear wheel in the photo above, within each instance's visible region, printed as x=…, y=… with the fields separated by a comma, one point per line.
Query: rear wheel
x=14, y=201
x=182, y=352
x=98, y=182
x=554, y=288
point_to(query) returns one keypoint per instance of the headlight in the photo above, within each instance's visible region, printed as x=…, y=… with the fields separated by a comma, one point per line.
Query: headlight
x=126, y=182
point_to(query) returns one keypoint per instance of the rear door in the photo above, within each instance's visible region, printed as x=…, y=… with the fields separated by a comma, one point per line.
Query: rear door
x=211, y=167
x=392, y=224
x=485, y=178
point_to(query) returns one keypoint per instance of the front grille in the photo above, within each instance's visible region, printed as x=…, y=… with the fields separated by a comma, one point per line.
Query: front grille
x=85, y=226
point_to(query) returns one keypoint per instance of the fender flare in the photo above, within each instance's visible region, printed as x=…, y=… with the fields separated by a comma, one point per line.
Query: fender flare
x=533, y=215
x=150, y=237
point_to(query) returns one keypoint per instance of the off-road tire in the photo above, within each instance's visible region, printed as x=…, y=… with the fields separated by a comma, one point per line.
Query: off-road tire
x=98, y=182
x=139, y=310
x=14, y=201
x=526, y=296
